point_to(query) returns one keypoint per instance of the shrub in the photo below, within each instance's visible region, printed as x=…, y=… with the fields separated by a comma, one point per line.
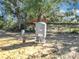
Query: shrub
x=1, y=24
x=9, y=25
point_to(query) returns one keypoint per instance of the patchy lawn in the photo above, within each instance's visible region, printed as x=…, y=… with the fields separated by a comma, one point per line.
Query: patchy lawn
x=11, y=48
x=15, y=49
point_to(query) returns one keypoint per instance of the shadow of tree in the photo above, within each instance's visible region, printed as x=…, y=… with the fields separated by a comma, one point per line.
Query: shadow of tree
x=16, y=46
x=4, y=34
x=64, y=36
x=69, y=39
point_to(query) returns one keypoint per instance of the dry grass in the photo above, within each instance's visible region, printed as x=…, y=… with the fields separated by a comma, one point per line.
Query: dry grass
x=15, y=49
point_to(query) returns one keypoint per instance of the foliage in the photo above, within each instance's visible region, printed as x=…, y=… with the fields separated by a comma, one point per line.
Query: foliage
x=26, y=10
x=1, y=24
x=23, y=8
x=9, y=25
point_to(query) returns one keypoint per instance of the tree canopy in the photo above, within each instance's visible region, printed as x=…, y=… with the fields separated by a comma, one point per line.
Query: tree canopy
x=25, y=10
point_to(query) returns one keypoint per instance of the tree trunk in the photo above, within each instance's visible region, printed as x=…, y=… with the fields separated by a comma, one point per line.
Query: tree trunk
x=39, y=17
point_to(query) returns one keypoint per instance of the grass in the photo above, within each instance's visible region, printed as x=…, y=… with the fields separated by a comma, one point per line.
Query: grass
x=10, y=48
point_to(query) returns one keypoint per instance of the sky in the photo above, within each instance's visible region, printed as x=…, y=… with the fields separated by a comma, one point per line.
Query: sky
x=2, y=9
x=64, y=7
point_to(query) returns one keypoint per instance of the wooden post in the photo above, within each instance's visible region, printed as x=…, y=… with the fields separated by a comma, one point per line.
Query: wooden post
x=22, y=35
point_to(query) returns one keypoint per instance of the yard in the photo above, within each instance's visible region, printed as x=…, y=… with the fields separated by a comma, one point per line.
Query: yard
x=11, y=48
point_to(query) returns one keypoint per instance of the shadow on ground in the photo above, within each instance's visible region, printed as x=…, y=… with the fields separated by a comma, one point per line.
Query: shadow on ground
x=69, y=39
x=64, y=36
x=4, y=34
x=16, y=46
